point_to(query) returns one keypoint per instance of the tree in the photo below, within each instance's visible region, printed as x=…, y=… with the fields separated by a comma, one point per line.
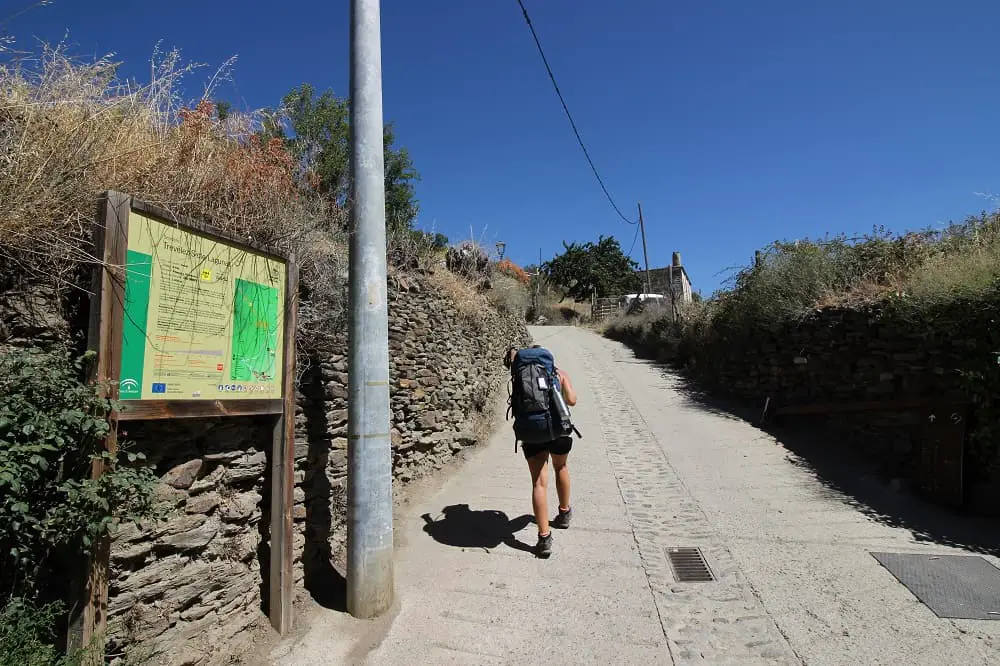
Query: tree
x=319, y=137
x=400, y=176
x=583, y=269
x=223, y=109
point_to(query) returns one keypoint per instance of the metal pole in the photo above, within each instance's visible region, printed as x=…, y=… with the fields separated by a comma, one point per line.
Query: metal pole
x=369, y=454
x=642, y=228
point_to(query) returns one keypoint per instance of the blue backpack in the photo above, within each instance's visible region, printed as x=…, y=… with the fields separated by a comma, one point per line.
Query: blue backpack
x=540, y=413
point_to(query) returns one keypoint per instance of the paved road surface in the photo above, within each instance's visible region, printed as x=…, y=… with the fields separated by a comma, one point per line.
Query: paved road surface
x=655, y=470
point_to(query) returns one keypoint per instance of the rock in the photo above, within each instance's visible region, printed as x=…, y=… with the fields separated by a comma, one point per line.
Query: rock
x=136, y=551
x=248, y=467
x=196, y=612
x=125, y=532
x=179, y=524
x=151, y=626
x=209, y=482
x=240, y=507
x=203, y=503
x=466, y=438
x=198, y=537
x=337, y=459
x=183, y=475
x=157, y=573
x=168, y=495
x=431, y=441
x=187, y=657
x=336, y=418
x=427, y=420
x=224, y=457
x=181, y=596
x=396, y=438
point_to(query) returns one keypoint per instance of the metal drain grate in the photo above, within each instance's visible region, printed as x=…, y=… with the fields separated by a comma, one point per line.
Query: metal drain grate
x=689, y=565
x=953, y=586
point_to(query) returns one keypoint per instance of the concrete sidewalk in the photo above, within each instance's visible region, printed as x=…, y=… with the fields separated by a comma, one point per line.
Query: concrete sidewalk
x=469, y=597
x=470, y=591
x=795, y=580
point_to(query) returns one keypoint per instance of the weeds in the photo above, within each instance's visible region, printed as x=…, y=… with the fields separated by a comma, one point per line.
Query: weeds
x=930, y=267
x=71, y=129
x=509, y=295
x=27, y=632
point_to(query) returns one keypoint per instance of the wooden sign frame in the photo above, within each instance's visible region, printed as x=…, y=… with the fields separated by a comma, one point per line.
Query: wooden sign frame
x=107, y=312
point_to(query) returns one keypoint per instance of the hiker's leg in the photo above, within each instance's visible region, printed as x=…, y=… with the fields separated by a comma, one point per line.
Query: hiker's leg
x=562, y=479
x=538, y=465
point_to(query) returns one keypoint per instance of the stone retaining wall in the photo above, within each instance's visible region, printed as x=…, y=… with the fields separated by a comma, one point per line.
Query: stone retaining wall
x=875, y=353
x=191, y=589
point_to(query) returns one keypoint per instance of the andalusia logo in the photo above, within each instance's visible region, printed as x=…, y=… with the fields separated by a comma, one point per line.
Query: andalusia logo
x=129, y=385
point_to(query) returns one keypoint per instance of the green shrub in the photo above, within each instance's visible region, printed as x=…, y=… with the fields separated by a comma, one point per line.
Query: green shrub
x=27, y=632
x=52, y=428
x=791, y=278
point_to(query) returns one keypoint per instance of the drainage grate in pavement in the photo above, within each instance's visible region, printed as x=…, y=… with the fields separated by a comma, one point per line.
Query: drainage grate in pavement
x=952, y=586
x=689, y=565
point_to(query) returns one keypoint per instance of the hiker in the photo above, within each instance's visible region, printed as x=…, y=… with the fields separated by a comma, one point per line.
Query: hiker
x=543, y=428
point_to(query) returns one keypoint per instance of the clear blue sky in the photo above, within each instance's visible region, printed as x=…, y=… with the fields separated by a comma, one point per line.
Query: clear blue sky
x=736, y=123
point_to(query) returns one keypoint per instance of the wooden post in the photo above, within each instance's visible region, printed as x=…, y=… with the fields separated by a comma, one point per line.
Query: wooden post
x=645, y=256
x=283, y=474
x=88, y=628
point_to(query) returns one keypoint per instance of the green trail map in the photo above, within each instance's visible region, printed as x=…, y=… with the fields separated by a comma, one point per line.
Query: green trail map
x=255, y=332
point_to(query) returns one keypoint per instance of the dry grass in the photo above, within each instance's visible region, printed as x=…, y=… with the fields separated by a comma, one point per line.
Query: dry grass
x=918, y=271
x=413, y=250
x=70, y=129
x=924, y=268
x=467, y=299
x=509, y=294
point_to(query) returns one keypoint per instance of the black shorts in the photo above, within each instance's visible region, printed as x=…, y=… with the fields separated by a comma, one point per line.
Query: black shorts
x=558, y=447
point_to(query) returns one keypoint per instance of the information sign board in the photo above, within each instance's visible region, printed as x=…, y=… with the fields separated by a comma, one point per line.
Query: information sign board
x=203, y=318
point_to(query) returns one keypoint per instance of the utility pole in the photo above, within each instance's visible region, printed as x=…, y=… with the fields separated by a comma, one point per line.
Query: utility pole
x=369, y=453
x=645, y=257
x=538, y=283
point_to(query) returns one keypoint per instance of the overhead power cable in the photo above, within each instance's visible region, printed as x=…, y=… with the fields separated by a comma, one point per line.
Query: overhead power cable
x=634, y=239
x=572, y=123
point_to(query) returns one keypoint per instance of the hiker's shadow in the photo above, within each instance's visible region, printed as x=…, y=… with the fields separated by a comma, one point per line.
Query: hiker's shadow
x=461, y=527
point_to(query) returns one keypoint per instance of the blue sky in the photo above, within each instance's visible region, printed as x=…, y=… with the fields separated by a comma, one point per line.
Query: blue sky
x=736, y=123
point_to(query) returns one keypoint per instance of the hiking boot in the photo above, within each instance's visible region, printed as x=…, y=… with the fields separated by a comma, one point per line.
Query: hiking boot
x=561, y=522
x=544, y=546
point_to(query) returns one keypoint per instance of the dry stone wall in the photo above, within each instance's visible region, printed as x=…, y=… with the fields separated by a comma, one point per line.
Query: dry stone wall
x=445, y=367
x=182, y=587
x=882, y=352
x=190, y=589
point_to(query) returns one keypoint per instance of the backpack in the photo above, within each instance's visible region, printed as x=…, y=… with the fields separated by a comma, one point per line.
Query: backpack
x=536, y=402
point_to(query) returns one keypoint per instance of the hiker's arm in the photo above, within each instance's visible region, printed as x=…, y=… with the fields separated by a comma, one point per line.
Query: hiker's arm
x=569, y=395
